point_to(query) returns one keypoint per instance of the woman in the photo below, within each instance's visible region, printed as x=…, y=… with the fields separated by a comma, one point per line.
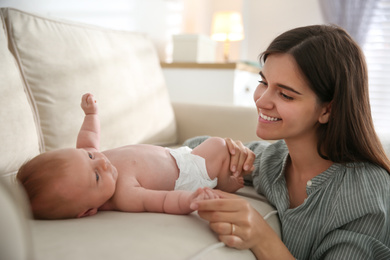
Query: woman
x=329, y=176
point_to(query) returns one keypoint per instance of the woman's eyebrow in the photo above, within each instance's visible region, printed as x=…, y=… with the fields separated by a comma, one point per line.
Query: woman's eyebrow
x=281, y=85
x=289, y=89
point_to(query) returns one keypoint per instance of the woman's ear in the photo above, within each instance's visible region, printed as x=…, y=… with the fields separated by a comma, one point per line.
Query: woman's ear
x=88, y=212
x=325, y=113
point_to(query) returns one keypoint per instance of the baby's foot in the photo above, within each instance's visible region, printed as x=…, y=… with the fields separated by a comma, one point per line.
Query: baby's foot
x=235, y=183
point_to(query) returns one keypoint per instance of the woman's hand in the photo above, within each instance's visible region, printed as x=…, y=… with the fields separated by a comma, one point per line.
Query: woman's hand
x=235, y=221
x=241, y=159
x=240, y=226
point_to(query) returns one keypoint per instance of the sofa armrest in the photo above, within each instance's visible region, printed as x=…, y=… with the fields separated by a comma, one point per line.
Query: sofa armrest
x=238, y=123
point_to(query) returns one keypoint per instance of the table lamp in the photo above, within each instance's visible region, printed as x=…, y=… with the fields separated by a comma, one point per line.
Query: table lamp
x=227, y=27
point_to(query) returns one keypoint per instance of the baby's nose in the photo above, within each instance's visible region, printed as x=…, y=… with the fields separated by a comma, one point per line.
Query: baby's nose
x=103, y=163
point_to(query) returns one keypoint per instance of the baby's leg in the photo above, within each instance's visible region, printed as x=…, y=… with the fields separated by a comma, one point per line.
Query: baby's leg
x=217, y=156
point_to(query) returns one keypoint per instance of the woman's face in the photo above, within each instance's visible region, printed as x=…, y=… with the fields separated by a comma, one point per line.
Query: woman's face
x=288, y=109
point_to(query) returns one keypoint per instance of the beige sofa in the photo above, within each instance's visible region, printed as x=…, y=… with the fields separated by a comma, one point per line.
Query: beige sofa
x=45, y=67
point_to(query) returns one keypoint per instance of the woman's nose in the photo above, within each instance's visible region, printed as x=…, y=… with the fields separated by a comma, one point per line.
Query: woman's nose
x=262, y=97
x=257, y=93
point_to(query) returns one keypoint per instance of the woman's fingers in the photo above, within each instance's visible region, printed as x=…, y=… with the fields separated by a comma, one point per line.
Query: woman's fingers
x=233, y=241
x=235, y=221
x=229, y=234
x=248, y=164
x=234, y=228
x=222, y=228
x=231, y=145
x=234, y=156
x=241, y=157
x=243, y=154
x=221, y=210
x=238, y=155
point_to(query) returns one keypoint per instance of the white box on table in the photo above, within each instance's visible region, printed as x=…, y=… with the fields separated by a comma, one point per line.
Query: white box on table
x=193, y=48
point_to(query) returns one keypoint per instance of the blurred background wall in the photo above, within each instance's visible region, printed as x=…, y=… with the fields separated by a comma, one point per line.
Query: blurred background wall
x=160, y=19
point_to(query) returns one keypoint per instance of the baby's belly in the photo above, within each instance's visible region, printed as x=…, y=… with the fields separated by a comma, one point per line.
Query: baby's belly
x=161, y=174
x=153, y=166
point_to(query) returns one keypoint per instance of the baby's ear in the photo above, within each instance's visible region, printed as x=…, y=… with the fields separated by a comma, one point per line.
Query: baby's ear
x=88, y=212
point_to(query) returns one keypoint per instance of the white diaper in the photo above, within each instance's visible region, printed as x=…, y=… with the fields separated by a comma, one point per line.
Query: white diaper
x=192, y=170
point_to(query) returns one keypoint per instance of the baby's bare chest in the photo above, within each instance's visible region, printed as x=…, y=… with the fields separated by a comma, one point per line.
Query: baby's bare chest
x=151, y=166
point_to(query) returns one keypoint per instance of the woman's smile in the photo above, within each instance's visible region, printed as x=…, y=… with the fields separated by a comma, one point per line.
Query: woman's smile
x=266, y=118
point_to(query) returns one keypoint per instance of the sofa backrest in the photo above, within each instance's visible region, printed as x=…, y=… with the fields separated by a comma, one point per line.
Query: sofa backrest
x=58, y=62
x=19, y=136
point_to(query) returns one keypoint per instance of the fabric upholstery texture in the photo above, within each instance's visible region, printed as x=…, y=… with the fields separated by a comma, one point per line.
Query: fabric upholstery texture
x=19, y=136
x=70, y=59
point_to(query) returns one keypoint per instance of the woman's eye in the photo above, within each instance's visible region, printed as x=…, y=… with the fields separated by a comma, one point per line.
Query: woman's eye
x=263, y=82
x=90, y=155
x=286, y=97
x=97, y=176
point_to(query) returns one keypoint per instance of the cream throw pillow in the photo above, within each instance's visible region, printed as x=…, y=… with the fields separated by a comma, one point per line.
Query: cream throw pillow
x=63, y=60
x=19, y=139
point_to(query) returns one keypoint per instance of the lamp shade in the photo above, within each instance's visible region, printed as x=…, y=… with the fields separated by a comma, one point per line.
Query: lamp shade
x=227, y=26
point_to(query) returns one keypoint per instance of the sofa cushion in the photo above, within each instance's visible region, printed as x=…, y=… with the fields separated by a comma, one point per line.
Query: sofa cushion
x=62, y=60
x=19, y=137
x=145, y=235
x=16, y=237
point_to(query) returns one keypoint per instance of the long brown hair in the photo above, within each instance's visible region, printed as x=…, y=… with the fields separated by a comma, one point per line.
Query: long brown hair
x=335, y=68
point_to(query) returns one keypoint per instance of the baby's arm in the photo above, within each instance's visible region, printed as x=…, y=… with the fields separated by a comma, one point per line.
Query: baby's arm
x=139, y=199
x=89, y=135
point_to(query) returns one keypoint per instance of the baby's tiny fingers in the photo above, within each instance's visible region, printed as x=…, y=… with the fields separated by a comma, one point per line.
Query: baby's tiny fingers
x=90, y=99
x=211, y=194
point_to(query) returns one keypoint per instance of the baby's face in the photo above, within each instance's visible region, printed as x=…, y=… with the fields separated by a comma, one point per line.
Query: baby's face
x=90, y=179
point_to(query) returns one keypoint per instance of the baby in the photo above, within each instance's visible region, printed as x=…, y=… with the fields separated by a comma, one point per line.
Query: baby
x=74, y=183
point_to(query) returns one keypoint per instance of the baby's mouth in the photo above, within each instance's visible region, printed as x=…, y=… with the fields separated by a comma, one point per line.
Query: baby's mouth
x=269, y=118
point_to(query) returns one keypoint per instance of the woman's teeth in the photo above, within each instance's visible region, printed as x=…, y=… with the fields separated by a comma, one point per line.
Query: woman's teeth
x=268, y=118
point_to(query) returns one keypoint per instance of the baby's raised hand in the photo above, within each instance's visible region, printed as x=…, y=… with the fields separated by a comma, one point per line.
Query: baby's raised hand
x=88, y=104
